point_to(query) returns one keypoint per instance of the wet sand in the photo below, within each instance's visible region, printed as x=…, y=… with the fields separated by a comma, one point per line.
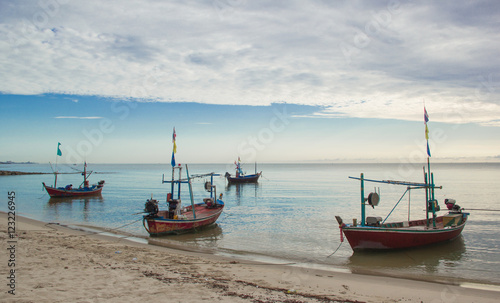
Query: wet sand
x=54, y=263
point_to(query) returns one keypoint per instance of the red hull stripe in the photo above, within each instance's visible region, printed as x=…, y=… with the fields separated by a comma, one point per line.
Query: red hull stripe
x=56, y=192
x=158, y=226
x=385, y=238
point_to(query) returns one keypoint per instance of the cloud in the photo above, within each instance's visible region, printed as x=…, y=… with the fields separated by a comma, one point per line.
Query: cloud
x=352, y=58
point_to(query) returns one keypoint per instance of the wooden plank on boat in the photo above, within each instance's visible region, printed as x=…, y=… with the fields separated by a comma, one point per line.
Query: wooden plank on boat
x=451, y=219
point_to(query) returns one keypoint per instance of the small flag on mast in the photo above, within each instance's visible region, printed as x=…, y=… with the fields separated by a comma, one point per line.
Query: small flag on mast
x=426, y=119
x=173, y=141
x=59, y=152
x=174, y=150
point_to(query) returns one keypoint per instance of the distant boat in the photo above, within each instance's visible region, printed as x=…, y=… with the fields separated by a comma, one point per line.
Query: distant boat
x=240, y=177
x=375, y=233
x=69, y=191
x=177, y=219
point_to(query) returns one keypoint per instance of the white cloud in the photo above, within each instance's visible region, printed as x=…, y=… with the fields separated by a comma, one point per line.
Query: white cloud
x=356, y=58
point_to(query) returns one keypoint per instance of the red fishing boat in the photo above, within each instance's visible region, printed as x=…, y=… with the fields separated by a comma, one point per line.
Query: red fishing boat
x=241, y=177
x=177, y=219
x=375, y=233
x=69, y=191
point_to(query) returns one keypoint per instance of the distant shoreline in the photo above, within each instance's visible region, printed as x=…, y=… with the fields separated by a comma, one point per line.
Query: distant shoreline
x=17, y=173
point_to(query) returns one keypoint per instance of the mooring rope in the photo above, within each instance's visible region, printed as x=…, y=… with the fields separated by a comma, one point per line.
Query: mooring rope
x=335, y=250
x=124, y=225
x=481, y=209
x=98, y=232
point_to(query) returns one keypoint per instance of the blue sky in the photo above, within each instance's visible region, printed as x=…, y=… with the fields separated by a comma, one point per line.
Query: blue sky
x=302, y=81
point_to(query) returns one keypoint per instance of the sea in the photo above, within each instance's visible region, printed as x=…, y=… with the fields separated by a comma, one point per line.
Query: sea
x=288, y=217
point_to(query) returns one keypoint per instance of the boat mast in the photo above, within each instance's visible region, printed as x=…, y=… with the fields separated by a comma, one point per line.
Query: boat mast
x=56, y=172
x=431, y=203
x=55, y=175
x=434, y=202
x=212, y=188
x=190, y=192
x=179, y=184
x=84, y=174
x=172, y=184
x=426, y=198
x=362, y=200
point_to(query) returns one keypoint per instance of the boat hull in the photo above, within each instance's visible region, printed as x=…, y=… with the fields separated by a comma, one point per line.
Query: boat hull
x=161, y=225
x=416, y=234
x=80, y=192
x=243, y=179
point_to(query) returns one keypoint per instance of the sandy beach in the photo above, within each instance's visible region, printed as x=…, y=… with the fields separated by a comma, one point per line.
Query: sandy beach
x=47, y=262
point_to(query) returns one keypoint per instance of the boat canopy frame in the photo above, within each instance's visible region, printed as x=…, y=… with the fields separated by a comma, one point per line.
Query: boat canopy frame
x=180, y=180
x=428, y=185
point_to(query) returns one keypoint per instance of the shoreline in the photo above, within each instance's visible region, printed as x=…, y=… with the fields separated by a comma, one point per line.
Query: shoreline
x=268, y=259
x=56, y=263
x=19, y=173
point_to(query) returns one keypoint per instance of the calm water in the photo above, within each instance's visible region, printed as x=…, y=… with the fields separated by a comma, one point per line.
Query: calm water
x=290, y=215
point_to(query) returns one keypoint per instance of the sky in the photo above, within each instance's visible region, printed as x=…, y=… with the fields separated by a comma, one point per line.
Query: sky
x=266, y=81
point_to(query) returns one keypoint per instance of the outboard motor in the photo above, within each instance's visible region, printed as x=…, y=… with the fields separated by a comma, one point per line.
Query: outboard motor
x=151, y=207
x=451, y=205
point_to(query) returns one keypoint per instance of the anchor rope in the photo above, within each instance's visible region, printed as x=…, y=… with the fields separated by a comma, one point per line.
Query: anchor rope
x=99, y=232
x=335, y=250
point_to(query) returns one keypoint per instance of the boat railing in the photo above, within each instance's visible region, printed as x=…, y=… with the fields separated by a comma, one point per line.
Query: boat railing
x=417, y=185
x=431, y=205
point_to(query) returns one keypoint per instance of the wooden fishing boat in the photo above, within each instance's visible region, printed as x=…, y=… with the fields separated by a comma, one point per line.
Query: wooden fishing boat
x=176, y=219
x=375, y=233
x=241, y=177
x=69, y=191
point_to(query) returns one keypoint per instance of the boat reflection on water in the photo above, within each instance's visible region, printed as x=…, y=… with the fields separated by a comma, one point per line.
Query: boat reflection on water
x=69, y=200
x=204, y=237
x=65, y=207
x=242, y=191
x=423, y=260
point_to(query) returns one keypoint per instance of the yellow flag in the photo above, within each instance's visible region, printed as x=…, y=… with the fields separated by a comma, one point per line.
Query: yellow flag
x=173, y=140
x=426, y=132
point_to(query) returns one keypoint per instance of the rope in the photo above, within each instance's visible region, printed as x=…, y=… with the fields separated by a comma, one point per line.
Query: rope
x=407, y=190
x=341, y=240
x=99, y=232
x=335, y=250
x=481, y=209
x=120, y=226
